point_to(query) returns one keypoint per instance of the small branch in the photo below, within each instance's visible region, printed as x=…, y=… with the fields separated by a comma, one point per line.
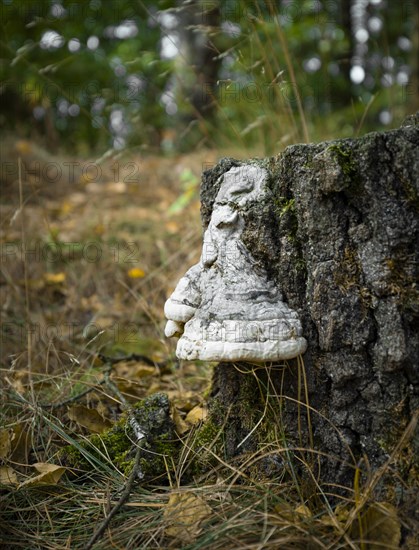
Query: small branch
x=136, y=472
x=122, y=500
x=70, y=399
x=79, y=395
x=109, y=362
x=133, y=357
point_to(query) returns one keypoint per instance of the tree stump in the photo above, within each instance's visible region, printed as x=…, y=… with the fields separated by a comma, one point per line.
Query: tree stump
x=339, y=235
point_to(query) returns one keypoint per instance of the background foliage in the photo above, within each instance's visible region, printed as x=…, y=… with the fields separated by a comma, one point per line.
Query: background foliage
x=167, y=75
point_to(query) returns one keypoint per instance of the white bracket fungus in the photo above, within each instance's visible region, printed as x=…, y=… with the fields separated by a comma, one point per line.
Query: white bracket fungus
x=225, y=308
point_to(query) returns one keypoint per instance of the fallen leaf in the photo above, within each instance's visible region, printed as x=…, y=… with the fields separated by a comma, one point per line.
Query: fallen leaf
x=341, y=513
x=66, y=207
x=172, y=227
x=181, y=426
x=89, y=418
x=154, y=387
x=184, y=400
x=8, y=476
x=99, y=229
x=196, y=415
x=86, y=179
x=102, y=409
x=91, y=303
x=102, y=323
x=285, y=512
x=50, y=474
x=380, y=527
x=77, y=198
x=183, y=515
x=304, y=511
x=46, y=467
x=133, y=370
x=116, y=187
x=6, y=437
x=136, y=273
x=23, y=147
x=328, y=520
x=54, y=278
x=21, y=443
x=130, y=387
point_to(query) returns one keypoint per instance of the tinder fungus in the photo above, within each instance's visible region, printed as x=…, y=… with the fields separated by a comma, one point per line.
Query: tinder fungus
x=225, y=308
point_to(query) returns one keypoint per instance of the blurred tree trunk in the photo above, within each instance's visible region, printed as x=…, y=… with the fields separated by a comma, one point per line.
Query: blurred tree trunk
x=414, y=81
x=346, y=62
x=197, y=64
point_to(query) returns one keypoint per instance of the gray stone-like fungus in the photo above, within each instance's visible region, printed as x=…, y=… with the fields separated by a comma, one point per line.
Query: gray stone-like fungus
x=225, y=308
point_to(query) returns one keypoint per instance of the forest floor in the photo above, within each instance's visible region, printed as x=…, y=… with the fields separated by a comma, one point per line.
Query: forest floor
x=90, y=252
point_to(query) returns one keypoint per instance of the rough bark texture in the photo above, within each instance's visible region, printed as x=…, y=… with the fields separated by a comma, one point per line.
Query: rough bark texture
x=340, y=235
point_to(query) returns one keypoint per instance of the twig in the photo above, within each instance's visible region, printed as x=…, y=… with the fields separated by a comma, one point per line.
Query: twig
x=133, y=357
x=109, y=361
x=122, y=500
x=136, y=471
x=79, y=395
x=70, y=399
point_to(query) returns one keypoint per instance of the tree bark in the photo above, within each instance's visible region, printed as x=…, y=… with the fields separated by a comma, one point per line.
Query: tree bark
x=339, y=235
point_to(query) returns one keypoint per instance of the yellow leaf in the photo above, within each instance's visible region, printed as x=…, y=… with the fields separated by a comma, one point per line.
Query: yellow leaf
x=154, y=387
x=184, y=400
x=172, y=227
x=380, y=526
x=341, y=513
x=196, y=415
x=66, y=207
x=47, y=468
x=285, y=512
x=116, y=187
x=49, y=474
x=142, y=371
x=129, y=387
x=136, y=273
x=183, y=515
x=5, y=443
x=88, y=418
x=7, y=476
x=99, y=229
x=54, y=278
x=23, y=147
x=21, y=442
x=181, y=425
x=303, y=510
x=133, y=370
x=329, y=521
x=85, y=178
